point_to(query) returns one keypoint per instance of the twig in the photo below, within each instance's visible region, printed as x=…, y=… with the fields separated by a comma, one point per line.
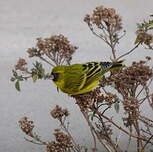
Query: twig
x=99, y=36
x=148, y=141
x=126, y=132
x=124, y=33
x=67, y=131
x=32, y=141
x=129, y=142
x=143, y=118
x=149, y=83
x=106, y=133
x=139, y=141
x=127, y=53
x=93, y=130
x=147, y=96
x=118, y=138
x=112, y=44
x=106, y=109
x=46, y=61
x=140, y=91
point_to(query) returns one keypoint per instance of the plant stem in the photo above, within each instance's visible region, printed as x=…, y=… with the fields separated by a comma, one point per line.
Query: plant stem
x=67, y=131
x=143, y=148
x=92, y=129
x=46, y=61
x=126, y=132
x=127, y=53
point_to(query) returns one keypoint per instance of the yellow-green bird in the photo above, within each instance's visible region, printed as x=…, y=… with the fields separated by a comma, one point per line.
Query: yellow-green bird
x=79, y=79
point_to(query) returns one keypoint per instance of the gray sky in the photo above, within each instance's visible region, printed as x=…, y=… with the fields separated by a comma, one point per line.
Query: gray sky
x=21, y=22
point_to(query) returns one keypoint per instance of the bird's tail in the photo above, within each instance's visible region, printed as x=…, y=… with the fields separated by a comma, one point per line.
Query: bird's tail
x=117, y=65
x=110, y=66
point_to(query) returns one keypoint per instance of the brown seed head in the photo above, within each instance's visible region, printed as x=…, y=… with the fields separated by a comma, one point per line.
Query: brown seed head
x=62, y=143
x=103, y=15
x=62, y=138
x=59, y=113
x=128, y=79
x=26, y=125
x=21, y=65
x=56, y=47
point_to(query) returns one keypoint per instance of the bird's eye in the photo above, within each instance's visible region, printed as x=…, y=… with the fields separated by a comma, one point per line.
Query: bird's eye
x=54, y=76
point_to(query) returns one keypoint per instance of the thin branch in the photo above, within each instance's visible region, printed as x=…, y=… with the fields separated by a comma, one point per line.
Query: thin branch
x=106, y=109
x=126, y=132
x=143, y=99
x=147, y=95
x=103, y=28
x=118, y=138
x=93, y=130
x=140, y=91
x=146, y=119
x=67, y=131
x=127, y=53
x=148, y=141
x=99, y=36
x=111, y=42
x=32, y=141
x=145, y=86
x=46, y=61
x=124, y=33
x=139, y=141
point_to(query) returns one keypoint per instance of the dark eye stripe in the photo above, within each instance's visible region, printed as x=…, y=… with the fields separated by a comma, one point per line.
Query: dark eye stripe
x=55, y=76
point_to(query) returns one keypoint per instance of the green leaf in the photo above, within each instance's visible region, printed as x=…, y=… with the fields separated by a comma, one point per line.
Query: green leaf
x=34, y=77
x=17, y=86
x=117, y=107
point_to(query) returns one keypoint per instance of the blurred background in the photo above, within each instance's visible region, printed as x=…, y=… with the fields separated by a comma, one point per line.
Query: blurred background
x=21, y=22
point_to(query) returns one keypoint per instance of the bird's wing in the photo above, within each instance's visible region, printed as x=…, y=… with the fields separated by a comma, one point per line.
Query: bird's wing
x=93, y=75
x=75, y=80
x=80, y=76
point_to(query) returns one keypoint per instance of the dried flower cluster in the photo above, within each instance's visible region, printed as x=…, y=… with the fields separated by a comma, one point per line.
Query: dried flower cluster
x=88, y=100
x=106, y=24
x=144, y=34
x=63, y=138
x=144, y=38
x=104, y=132
x=59, y=113
x=21, y=65
x=131, y=106
x=128, y=79
x=57, y=48
x=95, y=98
x=103, y=15
x=26, y=125
x=63, y=143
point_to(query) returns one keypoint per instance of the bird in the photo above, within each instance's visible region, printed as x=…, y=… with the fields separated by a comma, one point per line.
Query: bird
x=78, y=79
